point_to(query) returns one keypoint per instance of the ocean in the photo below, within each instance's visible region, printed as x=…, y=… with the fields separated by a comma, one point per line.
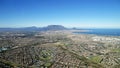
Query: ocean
x=106, y=32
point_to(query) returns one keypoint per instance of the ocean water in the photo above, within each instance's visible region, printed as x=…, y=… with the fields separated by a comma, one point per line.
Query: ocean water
x=107, y=32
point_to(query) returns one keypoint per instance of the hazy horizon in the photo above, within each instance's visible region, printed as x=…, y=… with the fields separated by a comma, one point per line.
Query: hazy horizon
x=62, y=25
x=69, y=13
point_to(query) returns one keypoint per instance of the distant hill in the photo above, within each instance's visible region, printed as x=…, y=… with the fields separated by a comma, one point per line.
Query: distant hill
x=19, y=29
x=33, y=28
x=54, y=27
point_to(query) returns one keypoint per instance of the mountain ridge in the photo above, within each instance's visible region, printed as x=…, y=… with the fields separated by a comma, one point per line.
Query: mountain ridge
x=34, y=28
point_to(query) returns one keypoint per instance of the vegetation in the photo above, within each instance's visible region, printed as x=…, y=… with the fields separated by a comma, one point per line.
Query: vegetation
x=116, y=50
x=96, y=59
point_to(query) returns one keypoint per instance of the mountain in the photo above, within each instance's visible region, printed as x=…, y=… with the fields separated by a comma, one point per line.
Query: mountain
x=19, y=29
x=33, y=28
x=54, y=27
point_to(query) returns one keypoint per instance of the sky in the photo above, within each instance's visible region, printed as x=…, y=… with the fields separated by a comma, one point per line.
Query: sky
x=69, y=13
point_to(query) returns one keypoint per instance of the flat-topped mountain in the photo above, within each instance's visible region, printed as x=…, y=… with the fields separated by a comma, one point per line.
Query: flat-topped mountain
x=49, y=27
x=54, y=27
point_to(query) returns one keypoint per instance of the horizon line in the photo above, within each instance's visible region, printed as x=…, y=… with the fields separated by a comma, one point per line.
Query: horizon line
x=66, y=27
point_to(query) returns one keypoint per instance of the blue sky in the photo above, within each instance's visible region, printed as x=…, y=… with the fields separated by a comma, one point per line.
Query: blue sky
x=69, y=13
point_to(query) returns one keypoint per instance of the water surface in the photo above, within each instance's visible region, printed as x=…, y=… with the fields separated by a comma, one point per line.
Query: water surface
x=110, y=32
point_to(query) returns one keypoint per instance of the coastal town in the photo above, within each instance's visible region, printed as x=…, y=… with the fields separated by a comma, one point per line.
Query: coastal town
x=58, y=49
